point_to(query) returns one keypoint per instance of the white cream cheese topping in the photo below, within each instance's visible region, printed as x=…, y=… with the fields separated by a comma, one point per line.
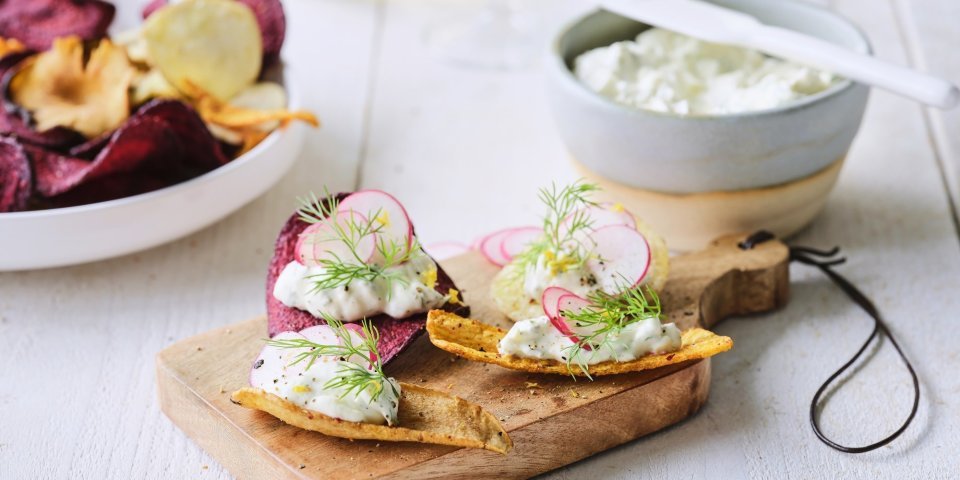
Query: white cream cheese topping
x=668, y=72
x=306, y=389
x=408, y=293
x=537, y=338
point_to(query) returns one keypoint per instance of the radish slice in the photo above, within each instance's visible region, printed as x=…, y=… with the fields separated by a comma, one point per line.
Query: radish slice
x=551, y=298
x=490, y=247
x=273, y=362
x=493, y=245
x=518, y=240
x=567, y=302
x=396, y=225
x=571, y=303
x=444, y=250
x=620, y=258
x=319, y=242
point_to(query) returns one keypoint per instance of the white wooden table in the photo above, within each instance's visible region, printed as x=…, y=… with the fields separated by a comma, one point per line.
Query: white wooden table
x=465, y=150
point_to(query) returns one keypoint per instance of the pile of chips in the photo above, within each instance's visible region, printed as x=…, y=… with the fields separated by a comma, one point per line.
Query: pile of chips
x=87, y=118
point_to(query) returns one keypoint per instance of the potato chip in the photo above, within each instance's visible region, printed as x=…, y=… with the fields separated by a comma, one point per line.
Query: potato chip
x=424, y=415
x=270, y=18
x=213, y=44
x=60, y=91
x=479, y=342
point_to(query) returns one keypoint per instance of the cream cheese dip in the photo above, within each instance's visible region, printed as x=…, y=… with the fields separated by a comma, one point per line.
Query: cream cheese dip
x=411, y=291
x=669, y=72
x=537, y=338
x=306, y=388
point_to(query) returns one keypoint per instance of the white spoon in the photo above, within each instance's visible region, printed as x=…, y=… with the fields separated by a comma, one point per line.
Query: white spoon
x=717, y=24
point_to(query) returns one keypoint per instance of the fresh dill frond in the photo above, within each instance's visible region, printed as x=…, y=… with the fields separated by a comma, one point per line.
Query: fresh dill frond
x=352, y=377
x=351, y=231
x=565, y=219
x=606, y=316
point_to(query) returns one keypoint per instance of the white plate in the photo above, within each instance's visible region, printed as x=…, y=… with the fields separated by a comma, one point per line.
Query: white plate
x=72, y=235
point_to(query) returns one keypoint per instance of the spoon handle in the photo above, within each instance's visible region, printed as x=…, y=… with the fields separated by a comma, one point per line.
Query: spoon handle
x=824, y=55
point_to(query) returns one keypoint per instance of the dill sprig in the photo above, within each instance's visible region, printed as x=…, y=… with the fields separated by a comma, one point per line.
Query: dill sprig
x=607, y=315
x=351, y=231
x=565, y=218
x=351, y=377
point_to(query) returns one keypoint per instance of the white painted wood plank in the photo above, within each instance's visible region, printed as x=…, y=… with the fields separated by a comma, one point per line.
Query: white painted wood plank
x=930, y=30
x=464, y=149
x=80, y=400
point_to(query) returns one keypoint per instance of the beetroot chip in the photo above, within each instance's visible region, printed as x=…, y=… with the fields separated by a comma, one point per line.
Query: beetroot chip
x=395, y=334
x=15, y=121
x=142, y=143
x=165, y=140
x=201, y=151
x=37, y=22
x=111, y=187
x=270, y=19
x=15, y=180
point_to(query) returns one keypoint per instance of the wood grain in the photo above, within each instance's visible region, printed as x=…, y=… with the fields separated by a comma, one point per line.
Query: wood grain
x=195, y=377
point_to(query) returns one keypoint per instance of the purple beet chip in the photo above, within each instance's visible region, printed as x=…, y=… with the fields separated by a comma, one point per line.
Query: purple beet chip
x=36, y=23
x=395, y=334
x=164, y=139
x=15, y=178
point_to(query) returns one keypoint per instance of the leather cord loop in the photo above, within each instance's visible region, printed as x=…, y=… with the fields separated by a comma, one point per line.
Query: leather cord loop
x=823, y=260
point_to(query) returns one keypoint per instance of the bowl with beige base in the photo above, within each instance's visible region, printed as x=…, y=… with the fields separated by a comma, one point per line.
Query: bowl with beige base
x=696, y=177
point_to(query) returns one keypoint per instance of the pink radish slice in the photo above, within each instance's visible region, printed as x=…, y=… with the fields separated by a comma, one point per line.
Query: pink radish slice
x=320, y=242
x=550, y=300
x=620, y=258
x=569, y=303
x=381, y=204
x=518, y=240
x=490, y=247
x=444, y=250
x=274, y=362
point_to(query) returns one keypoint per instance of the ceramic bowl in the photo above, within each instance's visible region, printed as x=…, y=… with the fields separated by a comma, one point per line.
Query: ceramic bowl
x=85, y=233
x=686, y=162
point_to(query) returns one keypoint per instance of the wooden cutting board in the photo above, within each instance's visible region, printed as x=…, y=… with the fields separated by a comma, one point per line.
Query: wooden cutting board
x=552, y=420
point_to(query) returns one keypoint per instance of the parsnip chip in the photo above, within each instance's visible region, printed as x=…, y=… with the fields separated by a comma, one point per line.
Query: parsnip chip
x=10, y=45
x=233, y=116
x=59, y=90
x=424, y=415
x=214, y=44
x=478, y=342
